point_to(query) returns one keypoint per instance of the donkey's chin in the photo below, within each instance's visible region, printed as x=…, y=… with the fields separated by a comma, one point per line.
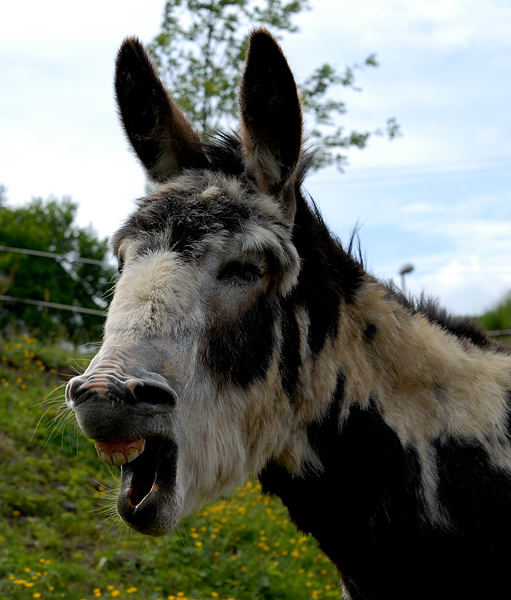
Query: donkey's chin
x=149, y=501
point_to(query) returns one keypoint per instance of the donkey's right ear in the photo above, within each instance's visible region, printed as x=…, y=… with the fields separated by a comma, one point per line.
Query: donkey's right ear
x=160, y=134
x=271, y=117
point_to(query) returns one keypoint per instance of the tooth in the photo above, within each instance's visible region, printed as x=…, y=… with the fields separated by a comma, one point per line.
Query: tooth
x=105, y=457
x=132, y=454
x=119, y=452
x=118, y=458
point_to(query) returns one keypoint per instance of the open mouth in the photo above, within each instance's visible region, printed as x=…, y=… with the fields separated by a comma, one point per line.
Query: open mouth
x=146, y=499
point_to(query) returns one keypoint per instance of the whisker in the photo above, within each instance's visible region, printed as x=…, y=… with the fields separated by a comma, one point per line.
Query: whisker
x=50, y=397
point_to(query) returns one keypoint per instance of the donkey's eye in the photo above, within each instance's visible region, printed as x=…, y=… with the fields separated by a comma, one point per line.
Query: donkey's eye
x=120, y=264
x=241, y=272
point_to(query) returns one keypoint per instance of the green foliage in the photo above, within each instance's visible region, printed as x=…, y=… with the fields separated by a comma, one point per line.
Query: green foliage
x=59, y=537
x=49, y=226
x=330, y=139
x=200, y=53
x=499, y=318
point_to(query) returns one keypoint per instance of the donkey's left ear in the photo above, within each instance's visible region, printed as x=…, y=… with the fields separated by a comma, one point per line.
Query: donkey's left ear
x=160, y=134
x=271, y=114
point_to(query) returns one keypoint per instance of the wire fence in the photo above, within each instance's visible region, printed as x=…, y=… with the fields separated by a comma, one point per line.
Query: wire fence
x=55, y=305
x=54, y=256
x=499, y=333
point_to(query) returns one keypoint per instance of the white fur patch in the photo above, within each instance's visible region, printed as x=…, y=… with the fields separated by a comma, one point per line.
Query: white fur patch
x=226, y=434
x=211, y=192
x=156, y=295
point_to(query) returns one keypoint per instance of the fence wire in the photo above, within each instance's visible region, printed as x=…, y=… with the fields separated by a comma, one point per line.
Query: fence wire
x=54, y=256
x=56, y=305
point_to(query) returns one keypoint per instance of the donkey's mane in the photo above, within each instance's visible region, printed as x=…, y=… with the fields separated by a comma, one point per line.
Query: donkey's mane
x=224, y=153
x=463, y=327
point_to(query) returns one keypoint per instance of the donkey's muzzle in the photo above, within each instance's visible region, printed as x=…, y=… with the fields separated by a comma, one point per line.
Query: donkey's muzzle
x=131, y=419
x=113, y=407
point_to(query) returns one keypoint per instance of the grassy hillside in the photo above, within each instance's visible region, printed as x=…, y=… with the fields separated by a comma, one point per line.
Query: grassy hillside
x=59, y=537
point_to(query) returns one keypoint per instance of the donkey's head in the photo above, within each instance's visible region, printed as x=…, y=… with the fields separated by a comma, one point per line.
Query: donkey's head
x=186, y=392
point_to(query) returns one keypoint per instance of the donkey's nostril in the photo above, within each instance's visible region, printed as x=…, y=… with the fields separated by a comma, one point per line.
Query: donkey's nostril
x=154, y=393
x=72, y=388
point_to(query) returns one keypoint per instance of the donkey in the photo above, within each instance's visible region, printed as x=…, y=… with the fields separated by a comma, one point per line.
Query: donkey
x=243, y=339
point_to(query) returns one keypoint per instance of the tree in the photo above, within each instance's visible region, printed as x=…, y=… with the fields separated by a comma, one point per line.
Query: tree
x=200, y=52
x=49, y=226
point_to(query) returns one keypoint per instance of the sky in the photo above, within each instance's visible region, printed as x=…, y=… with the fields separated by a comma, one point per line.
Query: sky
x=439, y=197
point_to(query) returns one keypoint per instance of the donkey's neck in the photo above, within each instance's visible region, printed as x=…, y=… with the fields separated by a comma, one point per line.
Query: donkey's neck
x=376, y=387
x=417, y=369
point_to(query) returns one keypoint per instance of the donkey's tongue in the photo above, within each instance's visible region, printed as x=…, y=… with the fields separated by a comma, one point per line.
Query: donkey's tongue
x=119, y=452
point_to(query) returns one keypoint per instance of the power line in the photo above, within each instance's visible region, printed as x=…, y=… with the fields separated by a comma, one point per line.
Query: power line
x=367, y=176
x=79, y=309
x=55, y=255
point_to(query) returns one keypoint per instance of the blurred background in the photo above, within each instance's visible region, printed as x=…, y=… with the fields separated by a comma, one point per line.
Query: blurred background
x=407, y=103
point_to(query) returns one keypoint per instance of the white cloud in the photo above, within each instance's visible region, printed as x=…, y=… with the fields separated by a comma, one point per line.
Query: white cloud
x=48, y=24
x=466, y=286
x=430, y=24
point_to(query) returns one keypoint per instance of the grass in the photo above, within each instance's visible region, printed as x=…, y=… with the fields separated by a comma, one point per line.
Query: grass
x=60, y=538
